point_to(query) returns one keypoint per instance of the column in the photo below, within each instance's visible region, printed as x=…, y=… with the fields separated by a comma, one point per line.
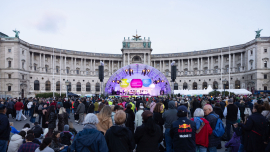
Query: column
x=188, y=65
x=219, y=62
x=160, y=66
x=201, y=65
x=124, y=59
x=94, y=67
x=149, y=59
x=154, y=64
x=212, y=64
x=75, y=62
x=128, y=59
x=44, y=61
x=91, y=67
x=182, y=64
x=109, y=68
x=191, y=67
x=65, y=65
x=32, y=60
x=179, y=70
x=40, y=62
x=54, y=60
x=144, y=58
x=241, y=69
x=51, y=63
x=84, y=66
x=117, y=64
x=163, y=67
x=233, y=62
x=222, y=63
x=208, y=71
x=198, y=66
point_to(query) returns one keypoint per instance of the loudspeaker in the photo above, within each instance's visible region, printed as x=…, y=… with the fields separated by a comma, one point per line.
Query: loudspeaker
x=173, y=73
x=101, y=73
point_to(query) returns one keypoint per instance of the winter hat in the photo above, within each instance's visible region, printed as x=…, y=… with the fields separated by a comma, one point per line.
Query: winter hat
x=146, y=114
x=182, y=109
x=66, y=128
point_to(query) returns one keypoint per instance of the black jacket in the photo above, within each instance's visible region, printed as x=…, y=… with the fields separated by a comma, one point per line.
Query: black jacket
x=219, y=112
x=146, y=142
x=130, y=119
x=256, y=129
x=37, y=131
x=183, y=133
x=90, y=108
x=138, y=104
x=66, y=104
x=213, y=140
x=65, y=138
x=158, y=119
x=119, y=139
x=52, y=120
x=4, y=127
x=62, y=121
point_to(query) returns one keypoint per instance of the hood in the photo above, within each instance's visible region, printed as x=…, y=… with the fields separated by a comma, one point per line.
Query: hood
x=128, y=111
x=171, y=105
x=119, y=131
x=217, y=108
x=16, y=137
x=25, y=129
x=83, y=136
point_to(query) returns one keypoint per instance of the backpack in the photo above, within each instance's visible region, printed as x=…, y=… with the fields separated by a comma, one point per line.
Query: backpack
x=29, y=105
x=40, y=107
x=219, y=129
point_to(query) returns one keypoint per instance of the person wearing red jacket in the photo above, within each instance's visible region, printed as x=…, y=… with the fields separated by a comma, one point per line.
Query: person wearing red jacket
x=18, y=107
x=203, y=130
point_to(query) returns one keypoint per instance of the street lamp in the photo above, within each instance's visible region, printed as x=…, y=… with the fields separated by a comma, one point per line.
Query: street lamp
x=67, y=83
x=224, y=82
x=216, y=89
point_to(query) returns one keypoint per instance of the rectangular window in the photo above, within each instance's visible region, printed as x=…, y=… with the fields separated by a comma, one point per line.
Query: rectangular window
x=265, y=64
x=57, y=70
x=9, y=76
x=251, y=77
x=23, y=65
x=78, y=71
x=9, y=64
x=9, y=50
x=9, y=88
x=265, y=88
x=35, y=67
x=251, y=52
x=22, y=52
x=46, y=69
x=265, y=76
x=265, y=50
x=67, y=71
x=23, y=77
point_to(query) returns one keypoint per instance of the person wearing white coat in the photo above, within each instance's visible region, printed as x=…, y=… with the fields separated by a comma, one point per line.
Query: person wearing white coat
x=16, y=141
x=138, y=116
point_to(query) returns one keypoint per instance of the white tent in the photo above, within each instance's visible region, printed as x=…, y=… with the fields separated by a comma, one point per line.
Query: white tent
x=209, y=89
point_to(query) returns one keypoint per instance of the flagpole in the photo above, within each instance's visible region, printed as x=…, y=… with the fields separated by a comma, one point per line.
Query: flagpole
x=229, y=69
x=53, y=73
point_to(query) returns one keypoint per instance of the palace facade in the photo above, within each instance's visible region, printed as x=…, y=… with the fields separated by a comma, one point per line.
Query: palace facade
x=27, y=69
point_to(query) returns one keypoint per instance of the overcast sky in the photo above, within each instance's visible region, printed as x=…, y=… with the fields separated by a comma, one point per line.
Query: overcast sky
x=100, y=26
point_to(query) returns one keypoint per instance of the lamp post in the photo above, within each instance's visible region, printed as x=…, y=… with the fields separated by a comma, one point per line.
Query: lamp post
x=67, y=83
x=216, y=89
x=224, y=82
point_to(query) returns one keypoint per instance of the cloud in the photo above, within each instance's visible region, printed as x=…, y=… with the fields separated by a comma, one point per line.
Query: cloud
x=51, y=22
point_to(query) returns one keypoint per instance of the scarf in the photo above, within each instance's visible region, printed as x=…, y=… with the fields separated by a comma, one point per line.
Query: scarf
x=198, y=122
x=122, y=125
x=89, y=126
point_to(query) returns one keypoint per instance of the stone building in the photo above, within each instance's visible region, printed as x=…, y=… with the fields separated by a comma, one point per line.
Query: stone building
x=28, y=69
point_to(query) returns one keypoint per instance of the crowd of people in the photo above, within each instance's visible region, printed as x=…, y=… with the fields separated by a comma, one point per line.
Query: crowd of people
x=151, y=124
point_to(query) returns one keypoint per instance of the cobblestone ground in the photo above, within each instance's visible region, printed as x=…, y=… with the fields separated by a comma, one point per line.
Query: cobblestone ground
x=19, y=125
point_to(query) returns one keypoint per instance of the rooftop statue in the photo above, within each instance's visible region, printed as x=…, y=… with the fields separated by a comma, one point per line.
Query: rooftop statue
x=258, y=33
x=16, y=33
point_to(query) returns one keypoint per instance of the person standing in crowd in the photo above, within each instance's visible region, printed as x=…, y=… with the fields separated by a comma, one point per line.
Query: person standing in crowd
x=67, y=106
x=40, y=107
x=217, y=109
x=4, y=128
x=29, y=105
x=115, y=109
x=212, y=118
x=89, y=139
x=169, y=116
x=148, y=135
x=90, y=108
x=44, y=146
x=18, y=107
x=203, y=130
x=59, y=105
x=183, y=132
x=51, y=120
x=266, y=111
x=130, y=118
x=62, y=119
x=56, y=143
x=29, y=146
x=196, y=104
x=16, y=141
x=96, y=107
x=10, y=107
x=256, y=127
x=44, y=113
x=157, y=116
x=80, y=111
x=138, y=116
x=232, y=113
x=104, y=118
x=152, y=105
x=66, y=136
x=120, y=135
x=34, y=111
x=38, y=131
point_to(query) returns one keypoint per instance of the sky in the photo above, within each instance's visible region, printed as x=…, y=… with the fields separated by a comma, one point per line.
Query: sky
x=100, y=26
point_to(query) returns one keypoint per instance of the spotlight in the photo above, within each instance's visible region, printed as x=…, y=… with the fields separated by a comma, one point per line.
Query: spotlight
x=162, y=81
x=126, y=70
x=148, y=70
x=113, y=81
x=157, y=81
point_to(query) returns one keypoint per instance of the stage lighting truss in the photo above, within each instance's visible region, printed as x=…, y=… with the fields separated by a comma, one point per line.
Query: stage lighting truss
x=116, y=81
x=158, y=81
x=129, y=71
x=145, y=71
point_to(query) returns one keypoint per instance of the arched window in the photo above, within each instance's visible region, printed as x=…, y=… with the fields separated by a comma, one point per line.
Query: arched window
x=215, y=85
x=194, y=85
x=185, y=86
x=36, y=85
x=226, y=85
x=237, y=84
x=265, y=64
x=88, y=86
x=204, y=85
x=58, y=86
x=97, y=86
x=175, y=86
x=78, y=86
x=48, y=85
x=136, y=59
